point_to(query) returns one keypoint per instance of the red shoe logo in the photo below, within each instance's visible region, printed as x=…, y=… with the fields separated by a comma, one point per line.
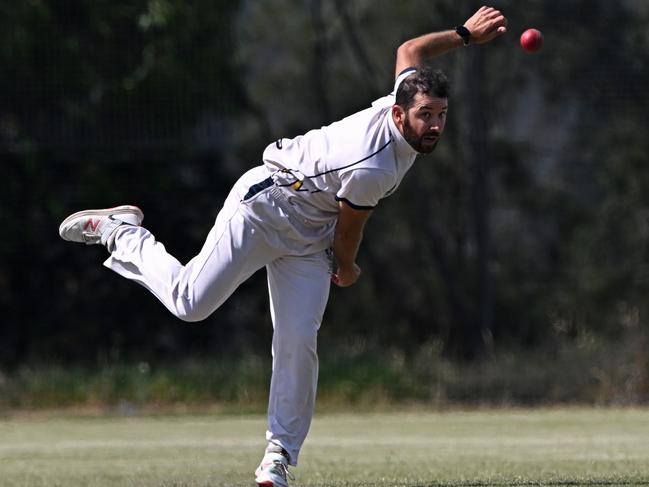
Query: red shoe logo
x=91, y=224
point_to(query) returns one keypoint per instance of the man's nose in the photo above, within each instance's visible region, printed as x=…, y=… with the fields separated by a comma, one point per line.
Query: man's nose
x=435, y=125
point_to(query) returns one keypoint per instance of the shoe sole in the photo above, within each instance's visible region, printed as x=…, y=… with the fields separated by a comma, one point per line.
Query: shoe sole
x=267, y=483
x=118, y=210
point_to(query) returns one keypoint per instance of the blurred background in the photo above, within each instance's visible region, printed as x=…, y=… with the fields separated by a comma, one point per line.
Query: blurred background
x=511, y=267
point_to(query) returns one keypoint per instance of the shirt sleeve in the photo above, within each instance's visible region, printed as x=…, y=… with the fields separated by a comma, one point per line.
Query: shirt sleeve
x=363, y=188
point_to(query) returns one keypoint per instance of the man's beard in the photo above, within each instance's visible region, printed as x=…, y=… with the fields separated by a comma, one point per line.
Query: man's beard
x=416, y=141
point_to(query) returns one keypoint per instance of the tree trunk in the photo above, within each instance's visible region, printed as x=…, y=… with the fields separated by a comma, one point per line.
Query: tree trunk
x=478, y=337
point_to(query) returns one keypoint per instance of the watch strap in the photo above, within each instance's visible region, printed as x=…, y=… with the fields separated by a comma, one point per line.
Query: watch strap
x=464, y=33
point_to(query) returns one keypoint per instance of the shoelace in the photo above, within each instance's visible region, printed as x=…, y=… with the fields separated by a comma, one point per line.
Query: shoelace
x=90, y=236
x=283, y=470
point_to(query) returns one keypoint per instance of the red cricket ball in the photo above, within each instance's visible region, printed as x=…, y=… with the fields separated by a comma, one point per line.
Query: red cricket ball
x=531, y=40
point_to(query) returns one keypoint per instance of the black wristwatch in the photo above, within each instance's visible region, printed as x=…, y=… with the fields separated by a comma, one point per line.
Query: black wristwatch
x=464, y=33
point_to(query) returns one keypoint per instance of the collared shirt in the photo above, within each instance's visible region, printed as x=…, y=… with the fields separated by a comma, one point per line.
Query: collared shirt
x=359, y=160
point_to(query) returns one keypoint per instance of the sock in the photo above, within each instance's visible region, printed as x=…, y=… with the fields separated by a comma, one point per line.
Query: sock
x=111, y=234
x=273, y=448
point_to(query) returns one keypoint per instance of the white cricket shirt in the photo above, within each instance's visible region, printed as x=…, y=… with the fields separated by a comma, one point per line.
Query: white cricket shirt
x=359, y=159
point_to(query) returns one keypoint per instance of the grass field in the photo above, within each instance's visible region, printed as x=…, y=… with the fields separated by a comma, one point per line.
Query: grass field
x=573, y=447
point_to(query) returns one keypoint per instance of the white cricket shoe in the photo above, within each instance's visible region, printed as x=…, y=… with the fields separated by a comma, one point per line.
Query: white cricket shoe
x=97, y=226
x=273, y=471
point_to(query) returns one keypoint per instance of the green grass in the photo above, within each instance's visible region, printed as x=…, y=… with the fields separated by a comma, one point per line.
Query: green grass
x=480, y=448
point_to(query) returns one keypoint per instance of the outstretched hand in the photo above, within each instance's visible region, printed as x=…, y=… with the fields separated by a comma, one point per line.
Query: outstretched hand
x=486, y=24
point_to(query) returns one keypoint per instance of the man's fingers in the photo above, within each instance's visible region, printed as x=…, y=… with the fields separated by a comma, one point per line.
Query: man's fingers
x=500, y=19
x=335, y=278
x=499, y=31
x=487, y=24
x=344, y=281
x=493, y=14
x=340, y=283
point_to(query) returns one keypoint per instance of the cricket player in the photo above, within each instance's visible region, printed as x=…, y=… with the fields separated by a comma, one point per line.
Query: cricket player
x=296, y=214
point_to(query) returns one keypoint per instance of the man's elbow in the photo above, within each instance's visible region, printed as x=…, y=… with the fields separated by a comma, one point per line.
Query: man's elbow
x=407, y=53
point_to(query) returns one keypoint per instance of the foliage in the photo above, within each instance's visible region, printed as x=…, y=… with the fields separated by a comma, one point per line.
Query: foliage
x=535, y=237
x=588, y=371
x=104, y=74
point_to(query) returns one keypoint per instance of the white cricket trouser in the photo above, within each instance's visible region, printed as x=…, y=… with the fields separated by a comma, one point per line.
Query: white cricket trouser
x=247, y=235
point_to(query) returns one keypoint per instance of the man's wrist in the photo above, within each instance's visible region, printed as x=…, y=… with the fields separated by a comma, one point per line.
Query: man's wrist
x=345, y=267
x=464, y=33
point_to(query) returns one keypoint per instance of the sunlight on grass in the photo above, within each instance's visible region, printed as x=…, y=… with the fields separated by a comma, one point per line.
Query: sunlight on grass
x=495, y=447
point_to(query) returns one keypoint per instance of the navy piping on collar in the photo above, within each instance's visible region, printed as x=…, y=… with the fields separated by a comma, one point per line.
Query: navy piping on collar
x=413, y=69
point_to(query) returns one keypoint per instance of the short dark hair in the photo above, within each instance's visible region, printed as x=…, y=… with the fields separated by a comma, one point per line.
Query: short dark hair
x=427, y=81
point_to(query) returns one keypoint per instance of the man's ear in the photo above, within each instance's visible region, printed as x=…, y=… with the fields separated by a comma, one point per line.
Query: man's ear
x=398, y=115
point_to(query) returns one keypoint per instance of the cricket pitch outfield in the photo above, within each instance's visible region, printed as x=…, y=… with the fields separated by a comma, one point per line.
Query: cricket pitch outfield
x=576, y=447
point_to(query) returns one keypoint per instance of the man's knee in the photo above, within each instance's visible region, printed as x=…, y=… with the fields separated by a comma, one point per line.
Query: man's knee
x=191, y=312
x=190, y=317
